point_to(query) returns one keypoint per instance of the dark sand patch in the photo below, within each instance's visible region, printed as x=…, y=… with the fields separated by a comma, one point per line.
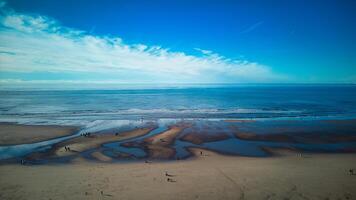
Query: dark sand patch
x=98, y=155
x=304, y=138
x=81, y=144
x=283, y=151
x=265, y=137
x=11, y=134
x=159, y=146
x=200, y=138
x=316, y=138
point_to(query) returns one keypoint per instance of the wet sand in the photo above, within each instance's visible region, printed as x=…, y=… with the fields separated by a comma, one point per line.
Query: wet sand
x=159, y=146
x=298, y=138
x=208, y=176
x=287, y=174
x=22, y=134
x=266, y=137
x=81, y=144
x=200, y=138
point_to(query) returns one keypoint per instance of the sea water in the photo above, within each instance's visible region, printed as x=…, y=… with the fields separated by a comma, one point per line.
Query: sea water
x=112, y=107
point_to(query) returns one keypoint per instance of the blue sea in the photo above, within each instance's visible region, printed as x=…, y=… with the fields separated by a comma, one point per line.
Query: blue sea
x=261, y=102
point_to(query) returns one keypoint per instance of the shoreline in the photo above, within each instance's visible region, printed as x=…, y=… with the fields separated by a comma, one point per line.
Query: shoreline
x=171, y=141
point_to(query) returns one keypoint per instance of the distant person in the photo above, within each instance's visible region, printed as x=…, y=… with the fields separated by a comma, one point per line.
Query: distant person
x=170, y=175
x=170, y=180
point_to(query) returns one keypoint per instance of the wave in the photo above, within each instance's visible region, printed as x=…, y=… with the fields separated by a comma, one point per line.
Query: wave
x=136, y=111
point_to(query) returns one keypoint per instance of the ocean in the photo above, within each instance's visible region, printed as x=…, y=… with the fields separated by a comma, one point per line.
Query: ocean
x=224, y=102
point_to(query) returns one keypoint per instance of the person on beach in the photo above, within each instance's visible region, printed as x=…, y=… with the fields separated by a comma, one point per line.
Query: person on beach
x=170, y=180
x=85, y=134
x=170, y=175
x=351, y=172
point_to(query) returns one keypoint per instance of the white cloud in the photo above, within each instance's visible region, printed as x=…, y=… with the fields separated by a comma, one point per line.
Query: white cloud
x=40, y=44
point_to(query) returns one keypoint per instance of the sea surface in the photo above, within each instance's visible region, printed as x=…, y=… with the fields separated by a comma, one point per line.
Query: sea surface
x=223, y=102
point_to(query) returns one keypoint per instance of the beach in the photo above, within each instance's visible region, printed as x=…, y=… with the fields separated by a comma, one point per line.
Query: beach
x=11, y=133
x=207, y=176
x=88, y=171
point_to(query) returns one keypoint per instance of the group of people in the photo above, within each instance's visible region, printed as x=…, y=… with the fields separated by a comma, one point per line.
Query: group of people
x=85, y=134
x=23, y=162
x=169, y=179
x=67, y=148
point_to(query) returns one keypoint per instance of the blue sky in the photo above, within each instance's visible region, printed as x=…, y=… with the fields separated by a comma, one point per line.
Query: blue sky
x=177, y=41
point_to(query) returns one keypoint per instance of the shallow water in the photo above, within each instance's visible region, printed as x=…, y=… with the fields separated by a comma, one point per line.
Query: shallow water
x=230, y=145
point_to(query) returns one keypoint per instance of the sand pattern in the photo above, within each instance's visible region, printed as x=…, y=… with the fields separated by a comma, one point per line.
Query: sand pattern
x=159, y=146
x=175, y=140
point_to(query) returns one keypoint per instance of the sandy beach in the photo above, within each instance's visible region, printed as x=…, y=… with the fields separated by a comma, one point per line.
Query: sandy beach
x=81, y=144
x=207, y=176
x=23, y=134
x=286, y=173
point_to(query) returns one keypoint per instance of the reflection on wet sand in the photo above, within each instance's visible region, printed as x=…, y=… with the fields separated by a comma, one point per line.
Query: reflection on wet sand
x=175, y=140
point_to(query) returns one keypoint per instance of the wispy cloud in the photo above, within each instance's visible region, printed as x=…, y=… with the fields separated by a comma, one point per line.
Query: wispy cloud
x=31, y=43
x=252, y=27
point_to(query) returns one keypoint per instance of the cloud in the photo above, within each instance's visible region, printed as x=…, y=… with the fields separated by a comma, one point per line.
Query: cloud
x=35, y=43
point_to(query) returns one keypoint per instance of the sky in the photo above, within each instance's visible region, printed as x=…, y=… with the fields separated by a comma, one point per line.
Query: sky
x=158, y=42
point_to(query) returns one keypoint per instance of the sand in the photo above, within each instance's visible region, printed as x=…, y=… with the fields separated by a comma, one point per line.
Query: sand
x=298, y=138
x=80, y=144
x=210, y=176
x=201, y=137
x=158, y=146
x=101, y=157
x=288, y=174
x=22, y=134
